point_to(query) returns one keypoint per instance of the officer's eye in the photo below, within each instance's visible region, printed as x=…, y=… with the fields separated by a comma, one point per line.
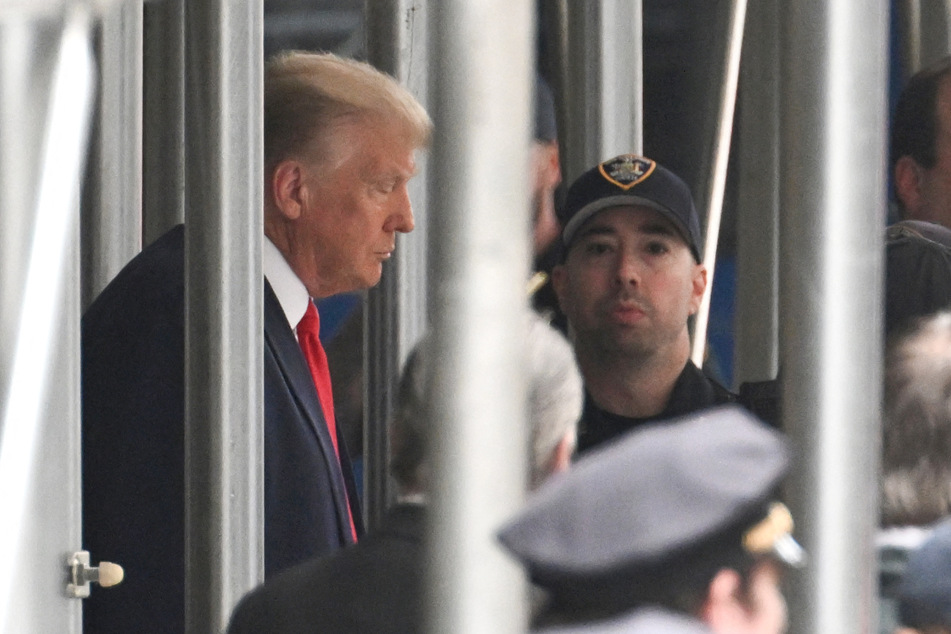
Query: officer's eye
x=597, y=248
x=656, y=247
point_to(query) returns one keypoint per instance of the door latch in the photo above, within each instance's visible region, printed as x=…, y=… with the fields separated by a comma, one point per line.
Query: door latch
x=81, y=574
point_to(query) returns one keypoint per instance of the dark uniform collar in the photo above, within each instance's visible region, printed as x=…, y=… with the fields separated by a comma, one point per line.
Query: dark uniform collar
x=692, y=391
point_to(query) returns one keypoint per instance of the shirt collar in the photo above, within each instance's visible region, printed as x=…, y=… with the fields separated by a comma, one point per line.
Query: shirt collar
x=290, y=291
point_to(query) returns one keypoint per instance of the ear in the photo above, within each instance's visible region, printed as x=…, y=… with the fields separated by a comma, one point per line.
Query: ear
x=287, y=185
x=697, y=285
x=908, y=185
x=561, y=458
x=721, y=603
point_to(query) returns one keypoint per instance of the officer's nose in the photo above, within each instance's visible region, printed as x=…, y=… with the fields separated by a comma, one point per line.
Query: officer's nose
x=628, y=272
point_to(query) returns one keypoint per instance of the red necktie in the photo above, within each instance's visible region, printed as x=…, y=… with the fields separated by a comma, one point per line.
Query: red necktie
x=308, y=331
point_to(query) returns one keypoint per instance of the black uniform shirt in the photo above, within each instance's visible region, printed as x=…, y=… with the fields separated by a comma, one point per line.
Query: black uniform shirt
x=693, y=391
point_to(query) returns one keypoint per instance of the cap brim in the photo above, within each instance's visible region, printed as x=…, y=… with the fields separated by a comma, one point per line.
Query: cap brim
x=622, y=200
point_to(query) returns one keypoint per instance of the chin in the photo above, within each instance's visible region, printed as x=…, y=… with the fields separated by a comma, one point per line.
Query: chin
x=367, y=281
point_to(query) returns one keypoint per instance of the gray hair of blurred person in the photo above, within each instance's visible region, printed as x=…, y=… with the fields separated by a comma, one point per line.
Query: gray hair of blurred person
x=916, y=446
x=307, y=94
x=555, y=399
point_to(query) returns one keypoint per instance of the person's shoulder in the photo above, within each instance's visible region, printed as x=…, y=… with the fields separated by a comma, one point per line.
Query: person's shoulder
x=714, y=393
x=344, y=591
x=157, y=271
x=274, y=604
x=918, y=231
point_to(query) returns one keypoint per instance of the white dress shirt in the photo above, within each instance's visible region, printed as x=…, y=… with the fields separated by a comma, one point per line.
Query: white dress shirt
x=290, y=291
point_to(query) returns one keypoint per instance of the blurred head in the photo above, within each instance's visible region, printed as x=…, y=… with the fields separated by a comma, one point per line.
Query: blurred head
x=921, y=146
x=555, y=399
x=676, y=515
x=916, y=445
x=339, y=145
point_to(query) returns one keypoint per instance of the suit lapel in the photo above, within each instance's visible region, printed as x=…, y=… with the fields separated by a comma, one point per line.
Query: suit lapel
x=280, y=338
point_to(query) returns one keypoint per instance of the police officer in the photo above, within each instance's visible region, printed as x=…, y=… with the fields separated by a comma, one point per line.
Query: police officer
x=630, y=279
x=671, y=529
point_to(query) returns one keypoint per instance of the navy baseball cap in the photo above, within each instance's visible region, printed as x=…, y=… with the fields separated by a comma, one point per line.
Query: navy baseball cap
x=630, y=179
x=657, y=493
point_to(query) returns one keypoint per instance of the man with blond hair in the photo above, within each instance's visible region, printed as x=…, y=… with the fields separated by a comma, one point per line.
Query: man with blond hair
x=339, y=146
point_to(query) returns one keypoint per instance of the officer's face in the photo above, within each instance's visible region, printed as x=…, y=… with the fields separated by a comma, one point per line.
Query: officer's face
x=628, y=284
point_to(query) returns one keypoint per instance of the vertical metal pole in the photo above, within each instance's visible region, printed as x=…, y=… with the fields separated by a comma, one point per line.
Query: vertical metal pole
x=163, y=118
x=482, y=87
x=622, y=77
x=39, y=428
x=716, y=180
x=757, y=272
x=605, y=75
x=395, y=310
x=582, y=138
x=833, y=140
x=553, y=22
x=909, y=14
x=112, y=226
x=224, y=514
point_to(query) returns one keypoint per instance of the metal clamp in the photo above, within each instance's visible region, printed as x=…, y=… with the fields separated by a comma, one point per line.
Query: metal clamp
x=81, y=574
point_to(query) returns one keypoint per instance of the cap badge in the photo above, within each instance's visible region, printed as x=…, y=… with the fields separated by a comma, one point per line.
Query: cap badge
x=627, y=170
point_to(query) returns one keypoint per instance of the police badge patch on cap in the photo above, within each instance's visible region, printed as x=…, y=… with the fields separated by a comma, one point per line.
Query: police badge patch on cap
x=627, y=170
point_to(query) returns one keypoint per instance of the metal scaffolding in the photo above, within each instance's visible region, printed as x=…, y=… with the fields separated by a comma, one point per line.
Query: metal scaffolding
x=818, y=155
x=833, y=140
x=395, y=310
x=224, y=308
x=483, y=71
x=604, y=68
x=47, y=85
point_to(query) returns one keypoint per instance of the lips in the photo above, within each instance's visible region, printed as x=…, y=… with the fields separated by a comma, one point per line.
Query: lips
x=626, y=313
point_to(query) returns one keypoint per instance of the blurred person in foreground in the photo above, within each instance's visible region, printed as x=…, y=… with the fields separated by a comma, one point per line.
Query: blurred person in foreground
x=377, y=586
x=916, y=448
x=673, y=528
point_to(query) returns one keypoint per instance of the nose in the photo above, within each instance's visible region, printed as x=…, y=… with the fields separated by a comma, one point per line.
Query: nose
x=628, y=272
x=401, y=213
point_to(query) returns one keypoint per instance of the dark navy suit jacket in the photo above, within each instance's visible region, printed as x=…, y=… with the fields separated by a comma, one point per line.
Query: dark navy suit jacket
x=133, y=446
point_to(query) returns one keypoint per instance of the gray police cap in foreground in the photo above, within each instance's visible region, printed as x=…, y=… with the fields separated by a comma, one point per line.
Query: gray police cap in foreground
x=652, y=493
x=924, y=594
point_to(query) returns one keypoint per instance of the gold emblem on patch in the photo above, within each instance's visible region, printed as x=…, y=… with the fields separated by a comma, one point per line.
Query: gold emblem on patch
x=627, y=170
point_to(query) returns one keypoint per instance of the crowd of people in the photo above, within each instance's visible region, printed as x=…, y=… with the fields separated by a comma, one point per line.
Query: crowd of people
x=667, y=518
